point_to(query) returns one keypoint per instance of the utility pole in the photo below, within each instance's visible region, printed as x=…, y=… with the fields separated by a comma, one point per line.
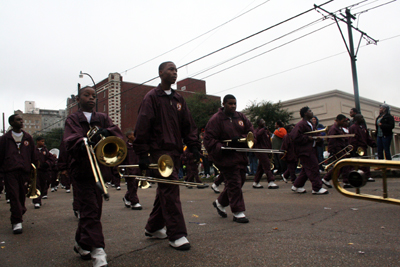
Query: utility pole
x=350, y=48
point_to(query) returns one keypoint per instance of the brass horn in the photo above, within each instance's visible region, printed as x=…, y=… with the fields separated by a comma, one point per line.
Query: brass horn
x=165, y=166
x=357, y=179
x=249, y=140
x=346, y=151
x=33, y=192
x=325, y=130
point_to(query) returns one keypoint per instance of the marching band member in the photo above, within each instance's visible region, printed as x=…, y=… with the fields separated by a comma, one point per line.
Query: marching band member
x=131, y=199
x=305, y=147
x=89, y=235
x=290, y=156
x=227, y=124
x=334, y=146
x=17, y=153
x=362, y=139
x=192, y=173
x=45, y=162
x=263, y=138
x=164, y=120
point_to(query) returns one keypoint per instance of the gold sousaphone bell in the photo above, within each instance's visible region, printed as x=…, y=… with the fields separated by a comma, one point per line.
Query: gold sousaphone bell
x=357, y=178
x=165, y=166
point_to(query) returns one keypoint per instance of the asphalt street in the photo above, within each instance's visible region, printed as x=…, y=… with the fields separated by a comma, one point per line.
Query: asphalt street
x=285, y=229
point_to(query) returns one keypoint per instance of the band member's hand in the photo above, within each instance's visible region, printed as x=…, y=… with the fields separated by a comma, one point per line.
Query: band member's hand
x=235, y=139
x=144, y=162
x=98, y=135
x=196, y=153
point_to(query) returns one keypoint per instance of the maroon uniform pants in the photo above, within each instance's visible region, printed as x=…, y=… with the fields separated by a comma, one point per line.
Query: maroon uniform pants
x=291, y=170
x=75, y=201
x=90, y=232
x=16, y=188
x=232, y=194
x=167, y=208
x=42, y=183
x=131, y=193
x=220, y=179
x=310, y=171
x=264, y=166
x=192, y=174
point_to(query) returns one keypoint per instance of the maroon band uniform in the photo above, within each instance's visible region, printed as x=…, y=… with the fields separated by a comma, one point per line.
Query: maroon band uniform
x=16, y=160
x=231, y=164
x=89, y=233
x=163, y=122
x=263, y=138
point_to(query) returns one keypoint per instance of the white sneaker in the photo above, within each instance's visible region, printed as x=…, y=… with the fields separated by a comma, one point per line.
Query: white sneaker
x=272, y=185
x=99, y=257
x=159, y=234
x=68, y=191
x=52, y=189
x=257, y=185
x=214, y=187
x=283, y=178
x=136, y=206
x=180, y=244
x=239, y=217
x=118, y=188
x=275, y=171
x=220, y=209
x=371, y=179
x=208, y=176
x=322, y=191
x=44, y=197
x=85, y=254
x=126, y=202
x=37, y=206
x=299, y=190
x=8, y=201
x=17, y=228
x=326, y=183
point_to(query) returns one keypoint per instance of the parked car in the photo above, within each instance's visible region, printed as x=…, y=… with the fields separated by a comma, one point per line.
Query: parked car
x=396, y=157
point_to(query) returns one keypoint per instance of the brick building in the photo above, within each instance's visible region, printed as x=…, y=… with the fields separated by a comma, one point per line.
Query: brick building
x=121, y=100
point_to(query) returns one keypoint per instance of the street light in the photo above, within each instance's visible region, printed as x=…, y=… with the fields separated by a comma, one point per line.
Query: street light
x=94, y=84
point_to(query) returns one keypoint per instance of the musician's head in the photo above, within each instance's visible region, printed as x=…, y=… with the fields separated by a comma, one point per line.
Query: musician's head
x=168, y=72
x=16, y=121
x=359, y=119
x=229, y=103
x=86, y=98
x=289, y=128
x=130, y=135
x=341, y=120
x=353, y=112
x=40, y=141
x=306, y=113
x=260, y=122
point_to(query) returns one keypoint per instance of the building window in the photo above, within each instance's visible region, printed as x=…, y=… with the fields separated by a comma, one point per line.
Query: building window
x=104, y=107
x=104, y=94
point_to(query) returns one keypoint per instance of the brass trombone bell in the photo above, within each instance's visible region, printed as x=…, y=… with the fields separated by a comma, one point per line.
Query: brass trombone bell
x=357, y=178
x=33, y=192
x=249, y=139
x=360, y=151
x=165, y=166
x=111, y=151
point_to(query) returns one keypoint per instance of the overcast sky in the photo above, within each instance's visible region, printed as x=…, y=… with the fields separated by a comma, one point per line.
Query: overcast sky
x=45, y=44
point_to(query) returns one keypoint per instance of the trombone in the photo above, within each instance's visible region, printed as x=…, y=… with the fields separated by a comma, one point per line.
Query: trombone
x=357, y=178
x=249, y=139
x=165, y=166
x=346, y=152
x=109, y=151
x=325, y=130
x=33, y=192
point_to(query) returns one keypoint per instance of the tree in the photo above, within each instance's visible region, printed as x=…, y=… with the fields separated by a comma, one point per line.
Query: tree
x=202, y=108
x=52, y=138
x=270, y=112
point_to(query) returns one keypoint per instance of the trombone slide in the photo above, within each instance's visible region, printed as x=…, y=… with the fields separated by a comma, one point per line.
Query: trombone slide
x=383, y=164
x=333, y=136
x=257, y=150
x=96, y=170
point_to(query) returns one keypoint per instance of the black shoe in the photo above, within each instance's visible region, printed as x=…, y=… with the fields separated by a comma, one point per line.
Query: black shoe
x=220, y=212
x=347, y=186
x=189, y=187
x=240, y=220
x=202, y=186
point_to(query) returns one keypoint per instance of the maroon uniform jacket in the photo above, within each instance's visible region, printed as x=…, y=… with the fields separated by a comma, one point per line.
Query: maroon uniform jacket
x=64, y=158
x=361, y=138
x=43, y=156
x=221, y=127
x=288, y=146
x=131, y=159
x=336, y=144
x=263, y=137
x=12, y=158
x=76, y=128
x=163, y=122
x=303, y=146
